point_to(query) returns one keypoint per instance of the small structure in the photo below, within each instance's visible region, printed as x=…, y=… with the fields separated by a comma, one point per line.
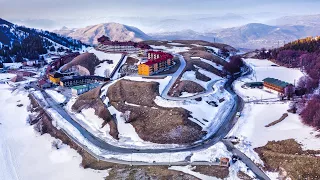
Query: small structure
x=77, y=90
x=157, y=62
x=81, y=80
x=254, y=85
x=224, y=162
x=275, y=85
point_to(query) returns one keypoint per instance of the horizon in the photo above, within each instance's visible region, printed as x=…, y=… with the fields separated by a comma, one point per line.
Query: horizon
x=55, y=15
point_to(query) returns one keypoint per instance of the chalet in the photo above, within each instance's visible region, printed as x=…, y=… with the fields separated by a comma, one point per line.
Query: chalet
x=105, y=44
x=157, y=62
x=81, y=80
x=275, y=85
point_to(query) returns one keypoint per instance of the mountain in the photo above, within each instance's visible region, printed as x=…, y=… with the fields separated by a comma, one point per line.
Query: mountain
x=19, y=42
x=304, y=20
x=116, y=32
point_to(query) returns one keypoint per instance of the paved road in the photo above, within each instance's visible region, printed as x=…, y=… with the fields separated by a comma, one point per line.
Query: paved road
x=254, y=168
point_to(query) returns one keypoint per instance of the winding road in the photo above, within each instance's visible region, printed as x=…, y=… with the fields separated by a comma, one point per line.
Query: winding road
x=223, y=130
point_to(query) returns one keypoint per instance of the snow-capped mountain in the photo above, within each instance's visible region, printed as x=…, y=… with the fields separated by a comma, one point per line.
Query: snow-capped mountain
x=19, y=42
x=116, y=32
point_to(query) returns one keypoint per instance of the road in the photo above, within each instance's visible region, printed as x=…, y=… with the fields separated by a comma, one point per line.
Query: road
x=225, y=127
x=254, y=168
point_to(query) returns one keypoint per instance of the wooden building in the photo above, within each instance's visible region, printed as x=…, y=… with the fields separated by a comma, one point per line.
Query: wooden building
x=157, y=62
x=275, y=85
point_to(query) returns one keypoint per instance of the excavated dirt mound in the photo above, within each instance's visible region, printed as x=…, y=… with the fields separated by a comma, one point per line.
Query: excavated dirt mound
x=86, y=60
x=290, y=159
x=185, y=86
x=151, y=122
x=91, y=100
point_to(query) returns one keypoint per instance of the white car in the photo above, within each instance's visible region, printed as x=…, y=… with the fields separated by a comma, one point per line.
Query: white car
x=238, y=114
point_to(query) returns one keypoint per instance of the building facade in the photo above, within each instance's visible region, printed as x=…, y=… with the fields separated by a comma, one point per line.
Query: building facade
x=81, y=80
x=157, y=61
x=77, y=90
x=105, y=44
x=275, y=85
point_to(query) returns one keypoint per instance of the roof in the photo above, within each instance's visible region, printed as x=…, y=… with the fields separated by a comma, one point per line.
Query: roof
x=85, y=86
x=253, y=84
x=163, y=57
x=98, y=78
x=276, y=82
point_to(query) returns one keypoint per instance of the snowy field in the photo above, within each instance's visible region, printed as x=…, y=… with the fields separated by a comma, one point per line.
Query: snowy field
x=58, y=97
x=104, y=69
x=250, y=127
x=25, y=154
x=6, y=76
x=172, y=49
x=191, y=76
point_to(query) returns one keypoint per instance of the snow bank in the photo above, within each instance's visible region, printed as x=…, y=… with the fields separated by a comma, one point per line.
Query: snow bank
x=6, y=76
x=191, y=76
x=20, y=145
x=58, y=97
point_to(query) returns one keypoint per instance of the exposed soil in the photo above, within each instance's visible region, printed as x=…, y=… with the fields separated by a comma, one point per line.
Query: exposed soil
x=185, y=86
x=284, y=116
x=151, y=122
x=244, y=176
x=86, y=60
x=148, y=172
x=131, y=61
x=290, y=159
x=215, y=171
x=91, y=99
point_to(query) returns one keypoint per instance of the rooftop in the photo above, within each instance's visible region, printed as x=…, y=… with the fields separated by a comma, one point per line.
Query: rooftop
x=276, y=82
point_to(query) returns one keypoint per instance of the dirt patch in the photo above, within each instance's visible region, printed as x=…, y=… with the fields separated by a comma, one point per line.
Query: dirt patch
x=215, y=171
x=285, y=115
x=91, y=99
x=86, y=60
x=131, y=61
x=244, y=176
x=148, y=172
x=151, y=122
x=185, y=86
x=288, y=157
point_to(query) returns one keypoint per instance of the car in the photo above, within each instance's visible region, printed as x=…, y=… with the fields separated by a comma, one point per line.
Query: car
x=238, y=114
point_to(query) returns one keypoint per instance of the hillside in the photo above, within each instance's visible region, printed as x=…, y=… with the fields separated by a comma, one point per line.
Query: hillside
x=19, y=42
x=116, y=32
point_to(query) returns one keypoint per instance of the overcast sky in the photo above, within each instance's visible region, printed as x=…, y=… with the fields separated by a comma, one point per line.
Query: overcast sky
x=48, y=12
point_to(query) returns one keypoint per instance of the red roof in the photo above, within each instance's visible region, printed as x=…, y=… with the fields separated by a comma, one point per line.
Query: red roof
x=163, y=57
x=140, y=45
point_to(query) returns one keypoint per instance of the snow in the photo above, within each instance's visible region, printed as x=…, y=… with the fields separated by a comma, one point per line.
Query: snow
x=172, y=49
x=176, y=44
x=12, y=65
x=27, y=155
x=106, y=56
x=6, y=76
x=162, y=82
x=216, y=50
x=191, y=76
x=250, y=127
x=58, y=97
x=188, y=170
x=215, y=65
x=205, y=115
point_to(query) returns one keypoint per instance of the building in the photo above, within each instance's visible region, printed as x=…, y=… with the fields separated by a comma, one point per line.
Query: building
x=275, y=85
x=105, y=44
x=254, y=85
x=77, y=90
x=157, y=62
x=81, y=80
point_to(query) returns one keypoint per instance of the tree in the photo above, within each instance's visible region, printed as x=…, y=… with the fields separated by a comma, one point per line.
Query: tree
x=234, y=64
x=289, y=91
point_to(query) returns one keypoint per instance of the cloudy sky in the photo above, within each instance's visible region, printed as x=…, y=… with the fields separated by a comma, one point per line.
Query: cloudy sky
x=49, y=14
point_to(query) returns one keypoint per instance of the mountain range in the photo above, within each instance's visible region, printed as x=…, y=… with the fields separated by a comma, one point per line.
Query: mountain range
x=249, y=36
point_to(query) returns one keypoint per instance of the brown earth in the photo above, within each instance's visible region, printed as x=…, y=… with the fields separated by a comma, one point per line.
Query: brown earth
x=91, y=99
x=86, y=60
x=284, y=116
x=215, y=171
x=290, y=159
x=185, y=86
x=131, y=61
x=151, y=122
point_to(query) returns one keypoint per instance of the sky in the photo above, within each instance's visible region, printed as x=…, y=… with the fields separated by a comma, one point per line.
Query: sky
x=50, y=14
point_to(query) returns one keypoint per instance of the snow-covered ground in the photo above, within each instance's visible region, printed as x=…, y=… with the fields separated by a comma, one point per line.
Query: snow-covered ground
x=172, y=49
x=6, y=76
x=250, y=127
x=215, y=65
x=58, y=97
x=12, y=65
x=191, y=76
x=25, y=154
x=105, y=68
